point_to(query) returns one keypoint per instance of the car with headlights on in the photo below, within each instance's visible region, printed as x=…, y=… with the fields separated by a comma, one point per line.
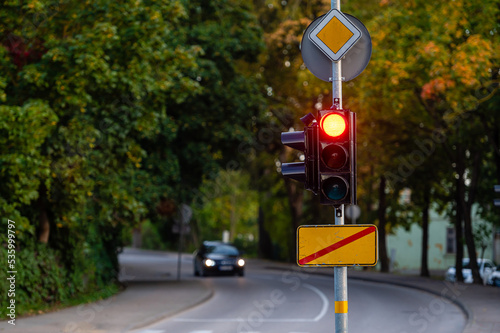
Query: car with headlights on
x=217, y=258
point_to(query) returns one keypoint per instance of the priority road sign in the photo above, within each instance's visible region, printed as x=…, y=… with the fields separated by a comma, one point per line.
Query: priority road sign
x=337, y=245
x=335, y=35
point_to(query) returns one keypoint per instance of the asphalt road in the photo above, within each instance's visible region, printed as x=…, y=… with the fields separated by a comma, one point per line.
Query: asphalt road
x=274, y=301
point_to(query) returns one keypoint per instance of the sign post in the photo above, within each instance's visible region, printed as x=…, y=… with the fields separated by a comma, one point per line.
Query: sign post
x=185, y=216
x=330, y=166
x=340, y=273
x=335, y=35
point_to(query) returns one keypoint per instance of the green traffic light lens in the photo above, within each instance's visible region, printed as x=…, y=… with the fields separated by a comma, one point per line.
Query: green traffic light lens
x=335, y=188
x=334, y=156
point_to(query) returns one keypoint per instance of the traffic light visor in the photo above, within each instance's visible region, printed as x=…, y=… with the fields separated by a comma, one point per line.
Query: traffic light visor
x=333, y=124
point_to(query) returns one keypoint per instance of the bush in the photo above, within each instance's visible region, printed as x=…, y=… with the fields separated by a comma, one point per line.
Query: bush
x=40, y=278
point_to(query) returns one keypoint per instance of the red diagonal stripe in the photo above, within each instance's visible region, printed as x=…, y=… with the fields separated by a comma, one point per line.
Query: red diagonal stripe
x=337, y=245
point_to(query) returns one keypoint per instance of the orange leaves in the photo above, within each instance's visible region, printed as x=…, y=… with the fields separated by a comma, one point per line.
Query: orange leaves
x=434, y=88
x=431, y=49
x=456, y=69
x=472, y=60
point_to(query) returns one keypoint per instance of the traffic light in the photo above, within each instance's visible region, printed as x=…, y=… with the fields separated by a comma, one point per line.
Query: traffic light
x=307, y=142
x=337, y=157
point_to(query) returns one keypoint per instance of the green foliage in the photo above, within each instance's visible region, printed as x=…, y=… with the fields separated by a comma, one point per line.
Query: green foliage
x=227, y=203
x=151, y=237
x=105, y=110
x=23, y=130
x=41, y=278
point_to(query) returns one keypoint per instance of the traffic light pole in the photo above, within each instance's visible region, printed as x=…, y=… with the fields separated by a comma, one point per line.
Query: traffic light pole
x=340, y=281
x=336, y=72
x=340, y=273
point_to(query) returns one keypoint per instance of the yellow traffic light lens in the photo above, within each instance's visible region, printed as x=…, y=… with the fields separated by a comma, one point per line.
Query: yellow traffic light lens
x=333, y=125
x=334, y=156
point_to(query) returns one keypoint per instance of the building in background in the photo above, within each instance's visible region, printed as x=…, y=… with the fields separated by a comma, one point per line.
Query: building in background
x=405, y=246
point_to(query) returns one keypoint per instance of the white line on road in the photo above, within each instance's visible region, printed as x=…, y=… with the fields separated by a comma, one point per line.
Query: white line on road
x=321, y=314
x=323, y=298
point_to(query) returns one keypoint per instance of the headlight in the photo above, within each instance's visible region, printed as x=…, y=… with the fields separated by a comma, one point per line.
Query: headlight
x=209, y=262
x=241, y=262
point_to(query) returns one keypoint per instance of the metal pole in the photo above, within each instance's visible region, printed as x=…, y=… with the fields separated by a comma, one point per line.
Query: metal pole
x=340, y=281
x=340, y=273
x=336, y=72
x=181, y=236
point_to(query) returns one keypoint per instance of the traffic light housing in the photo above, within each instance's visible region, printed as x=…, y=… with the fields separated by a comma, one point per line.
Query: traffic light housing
x=307, y=142
x=337, y=157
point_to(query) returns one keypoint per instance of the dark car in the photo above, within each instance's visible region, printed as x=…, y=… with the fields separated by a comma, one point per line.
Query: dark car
x=218, y=258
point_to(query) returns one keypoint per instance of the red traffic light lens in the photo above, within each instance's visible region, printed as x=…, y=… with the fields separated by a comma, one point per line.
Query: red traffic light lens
x=333, y=125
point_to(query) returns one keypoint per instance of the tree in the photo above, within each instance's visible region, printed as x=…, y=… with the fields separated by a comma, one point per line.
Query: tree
x=227, y=203
x=427, y=75
x=104, y=110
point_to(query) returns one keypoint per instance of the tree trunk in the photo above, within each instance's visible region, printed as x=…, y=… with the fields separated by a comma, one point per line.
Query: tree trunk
x=296, y=201
x=424, y=267
x=471, y=247
x=469, y=233
x=458, y=236
x=43, y=219
x=382, y=206
x=265, y=243
x=232, y=220
x=295, y=194
x=466, y=207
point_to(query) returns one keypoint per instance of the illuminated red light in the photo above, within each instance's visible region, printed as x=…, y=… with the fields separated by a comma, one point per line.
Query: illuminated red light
x=333, y=124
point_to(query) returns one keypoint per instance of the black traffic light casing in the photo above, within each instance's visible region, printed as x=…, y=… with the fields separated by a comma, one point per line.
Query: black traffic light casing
x=337, y=161
x=307, y=142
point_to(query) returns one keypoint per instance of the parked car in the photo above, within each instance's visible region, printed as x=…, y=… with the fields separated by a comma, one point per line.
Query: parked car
x=494, y=278
x=214, y=258
x=486, y=268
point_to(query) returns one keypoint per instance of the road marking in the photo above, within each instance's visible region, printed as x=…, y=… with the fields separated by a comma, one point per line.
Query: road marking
x=320, y=315
x=323, y=298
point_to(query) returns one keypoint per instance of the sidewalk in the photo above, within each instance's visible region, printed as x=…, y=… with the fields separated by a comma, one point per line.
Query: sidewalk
x=152, y=293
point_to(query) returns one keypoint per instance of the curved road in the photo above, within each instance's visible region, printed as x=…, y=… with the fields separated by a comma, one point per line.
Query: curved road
x=272, y=301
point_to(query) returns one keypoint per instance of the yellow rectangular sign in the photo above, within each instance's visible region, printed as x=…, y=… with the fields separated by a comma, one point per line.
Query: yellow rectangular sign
x=337, y=245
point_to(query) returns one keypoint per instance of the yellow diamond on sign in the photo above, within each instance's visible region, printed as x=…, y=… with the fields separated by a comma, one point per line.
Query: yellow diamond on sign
x=335, y=34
